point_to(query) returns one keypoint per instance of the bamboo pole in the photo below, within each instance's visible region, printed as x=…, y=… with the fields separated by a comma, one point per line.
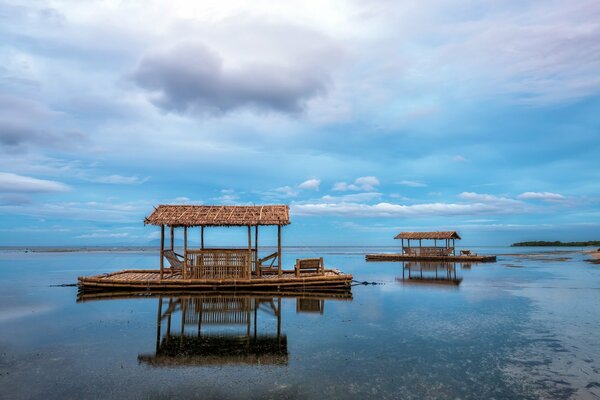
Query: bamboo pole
x=162, y=250
x=184, y=252
x=202, y=237
x=256, y=266
x=279, y=250
x=172, y=238
x=249, y=254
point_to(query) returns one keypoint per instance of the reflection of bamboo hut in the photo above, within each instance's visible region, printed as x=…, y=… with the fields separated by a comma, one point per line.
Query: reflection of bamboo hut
x=222, y=329
x=439, y=273
x=224, y=268
x=439, y=246
x=217, y=330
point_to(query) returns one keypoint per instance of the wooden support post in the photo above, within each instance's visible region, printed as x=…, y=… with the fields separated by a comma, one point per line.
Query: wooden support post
x=249, y=267
x=185, y=258
x=172, y=238
x=279, y=250
x=162, y=250
x=453, y=247
x=256, y=266
x=420, y=250
x=402, y=252
x=202, y=237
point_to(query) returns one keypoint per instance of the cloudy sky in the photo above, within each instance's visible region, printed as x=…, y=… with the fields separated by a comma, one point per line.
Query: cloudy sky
x=367, y=118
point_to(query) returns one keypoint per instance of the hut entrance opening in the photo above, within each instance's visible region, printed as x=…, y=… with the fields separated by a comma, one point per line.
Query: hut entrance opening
x=438, y=244
x=200, y=262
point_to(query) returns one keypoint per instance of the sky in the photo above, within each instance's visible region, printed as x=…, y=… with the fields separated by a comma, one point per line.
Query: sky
x=366, y=118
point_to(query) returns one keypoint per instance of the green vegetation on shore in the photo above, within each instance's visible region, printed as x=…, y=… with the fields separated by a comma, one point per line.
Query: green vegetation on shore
x=557, y=244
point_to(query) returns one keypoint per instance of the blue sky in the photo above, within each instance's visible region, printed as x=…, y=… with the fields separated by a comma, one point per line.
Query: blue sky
x=367, y=118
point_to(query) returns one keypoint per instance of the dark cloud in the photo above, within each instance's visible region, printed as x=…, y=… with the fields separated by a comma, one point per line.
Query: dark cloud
x=191, y=77
x=25, y=123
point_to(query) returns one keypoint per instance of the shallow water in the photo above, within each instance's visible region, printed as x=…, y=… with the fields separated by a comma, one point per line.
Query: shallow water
x=524, y=327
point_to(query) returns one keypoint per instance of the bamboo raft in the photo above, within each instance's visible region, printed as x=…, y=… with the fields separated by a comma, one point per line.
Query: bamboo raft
x=150, y=280
x=453, y=258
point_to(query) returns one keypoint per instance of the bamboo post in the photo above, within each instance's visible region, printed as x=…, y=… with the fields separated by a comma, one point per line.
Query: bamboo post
x=279, y=250
x=162, y=250
x=172, y=238
x=185, y=252
x=256, y=266
x=453, y=247
x=202, y=237
x=402, y=251
x=249, y=266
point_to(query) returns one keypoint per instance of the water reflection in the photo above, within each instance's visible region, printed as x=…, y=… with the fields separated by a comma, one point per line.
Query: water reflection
x=430, y=273
x=222, y=328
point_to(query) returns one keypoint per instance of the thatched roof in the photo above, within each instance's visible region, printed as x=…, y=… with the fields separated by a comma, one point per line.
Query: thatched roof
x=428, y=235
x=186, y=215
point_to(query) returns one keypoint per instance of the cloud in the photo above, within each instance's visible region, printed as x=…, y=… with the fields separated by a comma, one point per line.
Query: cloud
x=311, y=184
x=286, y=191
x=363, y=183
x=351, y=198
x=13, y=183
x=96, y=235
x=25, y=122
x=396, y=210
x=459, y=158
x=547, y=196
x=121, y=180
x=190, y=77
x=412, y=183
x=487, y=198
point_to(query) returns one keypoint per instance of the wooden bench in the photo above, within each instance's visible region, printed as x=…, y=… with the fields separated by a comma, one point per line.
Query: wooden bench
x=465, y=252
x=309, y=265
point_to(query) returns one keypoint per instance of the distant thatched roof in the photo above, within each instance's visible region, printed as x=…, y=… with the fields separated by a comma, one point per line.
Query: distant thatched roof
x=182, y=215
x=428, y=235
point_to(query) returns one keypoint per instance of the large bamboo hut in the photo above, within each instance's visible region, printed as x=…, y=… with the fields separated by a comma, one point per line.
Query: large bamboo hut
x=200, y=267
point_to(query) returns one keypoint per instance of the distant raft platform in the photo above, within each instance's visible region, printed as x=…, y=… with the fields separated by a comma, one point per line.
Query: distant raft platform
x=443, y=249
x=151, y=280
x=406, y=257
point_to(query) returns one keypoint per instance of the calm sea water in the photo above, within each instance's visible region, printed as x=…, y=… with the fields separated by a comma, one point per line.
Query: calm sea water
x=524, y=327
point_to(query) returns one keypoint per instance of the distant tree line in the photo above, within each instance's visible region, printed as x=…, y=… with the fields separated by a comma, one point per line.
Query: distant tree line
x=557, y=243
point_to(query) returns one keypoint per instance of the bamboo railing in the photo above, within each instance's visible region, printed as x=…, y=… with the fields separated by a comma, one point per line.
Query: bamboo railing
x=219, y=264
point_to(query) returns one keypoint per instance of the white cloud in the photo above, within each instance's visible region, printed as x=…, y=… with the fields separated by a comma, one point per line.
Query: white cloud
x=397, y=210
x=548, y=196
x=487, y=198
x=367, y=183
x=287, y=191
x=13, y=183
x=121, y=180
x=412, y=183
x=311, y=184
x=103, y=235
x=459, y=158
x=351, y=198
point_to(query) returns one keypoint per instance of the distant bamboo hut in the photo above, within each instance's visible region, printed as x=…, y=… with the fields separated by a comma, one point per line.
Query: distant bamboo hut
x=199, y=267
x=439, y=246
x=446, y=240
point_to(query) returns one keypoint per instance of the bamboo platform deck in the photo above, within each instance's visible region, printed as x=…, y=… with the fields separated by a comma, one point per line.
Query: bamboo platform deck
x=403, y=257
x=150, y=280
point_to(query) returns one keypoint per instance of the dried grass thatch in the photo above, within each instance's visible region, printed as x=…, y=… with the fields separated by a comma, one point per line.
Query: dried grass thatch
x=186, y=215
x=428, y=235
